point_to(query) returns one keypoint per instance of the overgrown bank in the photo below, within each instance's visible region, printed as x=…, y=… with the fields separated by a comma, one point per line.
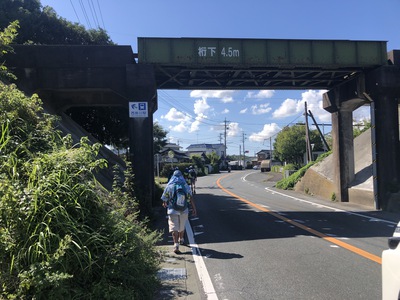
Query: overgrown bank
x=62, y=235
x=289, y=182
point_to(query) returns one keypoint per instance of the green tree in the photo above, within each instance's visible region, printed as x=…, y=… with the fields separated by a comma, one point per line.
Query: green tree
x=159, y=137
x=213, y=159
x=198, y=162
x=290, y=144
x=42, y=25
x=360, y=127
x=6, y=38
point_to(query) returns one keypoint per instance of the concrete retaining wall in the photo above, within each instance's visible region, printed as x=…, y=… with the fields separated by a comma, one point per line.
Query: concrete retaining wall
x=318, y=180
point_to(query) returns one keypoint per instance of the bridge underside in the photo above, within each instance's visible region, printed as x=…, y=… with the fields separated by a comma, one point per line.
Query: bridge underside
x=209, y=63
x=69, y=76
x=170, y=77
x=78, y=76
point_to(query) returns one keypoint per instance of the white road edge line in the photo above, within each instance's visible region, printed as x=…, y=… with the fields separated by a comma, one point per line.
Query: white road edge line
x=321, y=205
x=330, y=207
x=201, y=268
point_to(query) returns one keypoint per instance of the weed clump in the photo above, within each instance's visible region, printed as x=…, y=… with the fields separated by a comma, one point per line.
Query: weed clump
x=62, y=235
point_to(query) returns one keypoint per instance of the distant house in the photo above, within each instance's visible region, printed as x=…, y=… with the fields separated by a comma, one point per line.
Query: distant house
x=204, y=149
x=264, y=154
x=171, y=153
x=171, y=146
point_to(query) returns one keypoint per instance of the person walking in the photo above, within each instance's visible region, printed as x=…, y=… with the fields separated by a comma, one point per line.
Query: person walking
x=176, y=198
x=192, y=179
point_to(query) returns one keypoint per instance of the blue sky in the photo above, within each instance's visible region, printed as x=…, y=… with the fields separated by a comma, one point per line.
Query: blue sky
x=198, y=116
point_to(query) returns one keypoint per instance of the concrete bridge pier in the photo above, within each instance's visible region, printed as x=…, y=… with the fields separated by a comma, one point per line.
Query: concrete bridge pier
x=387, y=148
x=383, y=88
x=379, y=88
x=142, y=88
x=341, y=102
x=343, y=153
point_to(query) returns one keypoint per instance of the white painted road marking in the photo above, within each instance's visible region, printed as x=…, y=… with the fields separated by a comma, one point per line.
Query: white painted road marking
x=201, y=266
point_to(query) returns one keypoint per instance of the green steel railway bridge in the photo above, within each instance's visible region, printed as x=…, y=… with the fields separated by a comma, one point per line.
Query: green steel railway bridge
x=355, y=73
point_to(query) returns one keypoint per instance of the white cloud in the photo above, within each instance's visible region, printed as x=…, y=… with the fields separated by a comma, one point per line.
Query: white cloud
x=201, y=107
x=181, y=127
x=268, y=131
x=225, y=96
x=173, y=139
x=292, y=107
x=287, y=108
x=233, y=129
x=195, y=126
x=314, y=104
x=260, y=109
x=243, y=111
x=225, y=111
x=176, y=116
x=261, y=94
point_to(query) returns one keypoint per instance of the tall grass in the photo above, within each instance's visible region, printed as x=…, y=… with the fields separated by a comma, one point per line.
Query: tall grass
x=63, y=236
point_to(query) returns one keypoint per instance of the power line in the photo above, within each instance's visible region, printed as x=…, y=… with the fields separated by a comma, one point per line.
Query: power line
x=73, y=7
x=94, y=14
x=101, y=15
x=85, y=14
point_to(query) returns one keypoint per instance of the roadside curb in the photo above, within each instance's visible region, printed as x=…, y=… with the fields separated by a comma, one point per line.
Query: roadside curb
x=178, y=273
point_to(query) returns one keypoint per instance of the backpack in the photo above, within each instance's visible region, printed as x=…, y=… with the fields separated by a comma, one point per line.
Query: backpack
x=192, y=173
x=179, y=198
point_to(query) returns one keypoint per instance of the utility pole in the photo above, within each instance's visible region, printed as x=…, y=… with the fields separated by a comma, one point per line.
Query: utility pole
x=308, y=144
x=244, y=152
x=240, y=154
x=220, y=138
x=225, y=129
x=326, y=146
x=270, y=148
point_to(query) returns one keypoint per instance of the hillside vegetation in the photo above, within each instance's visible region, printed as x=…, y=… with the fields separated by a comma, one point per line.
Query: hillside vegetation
x=62, y=235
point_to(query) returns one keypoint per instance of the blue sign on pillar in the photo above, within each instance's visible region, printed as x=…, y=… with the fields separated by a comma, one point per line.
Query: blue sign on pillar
x=138, y=110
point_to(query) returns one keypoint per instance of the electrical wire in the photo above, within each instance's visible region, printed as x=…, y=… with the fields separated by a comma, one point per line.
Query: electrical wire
x=94, y=14
x=85, y=14
x=76, y=14
x=171, y=102
x=101, y=15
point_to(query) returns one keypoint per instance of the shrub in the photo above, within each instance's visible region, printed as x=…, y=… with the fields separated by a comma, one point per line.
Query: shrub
x=62, y=235
x=290, y=182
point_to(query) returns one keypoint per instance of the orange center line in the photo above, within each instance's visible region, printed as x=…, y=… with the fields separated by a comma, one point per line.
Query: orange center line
x=327, y=238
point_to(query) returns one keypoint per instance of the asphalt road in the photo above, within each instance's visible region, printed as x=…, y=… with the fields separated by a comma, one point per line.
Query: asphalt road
x=261, y=243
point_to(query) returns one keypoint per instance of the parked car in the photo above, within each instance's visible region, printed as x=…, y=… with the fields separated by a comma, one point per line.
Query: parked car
x=391, y=268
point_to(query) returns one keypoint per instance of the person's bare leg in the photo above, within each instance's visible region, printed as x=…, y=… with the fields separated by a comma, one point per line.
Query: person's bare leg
x=182, y=235
x=175, y=237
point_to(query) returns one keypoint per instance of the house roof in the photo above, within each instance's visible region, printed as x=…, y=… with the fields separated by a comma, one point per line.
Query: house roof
x=165, y=151
x=264, y=151
x=171, y=146
x=207, y=146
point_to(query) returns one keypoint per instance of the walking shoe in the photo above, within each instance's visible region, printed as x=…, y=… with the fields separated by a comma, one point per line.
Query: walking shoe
x=181, y=241
x=176, y=250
